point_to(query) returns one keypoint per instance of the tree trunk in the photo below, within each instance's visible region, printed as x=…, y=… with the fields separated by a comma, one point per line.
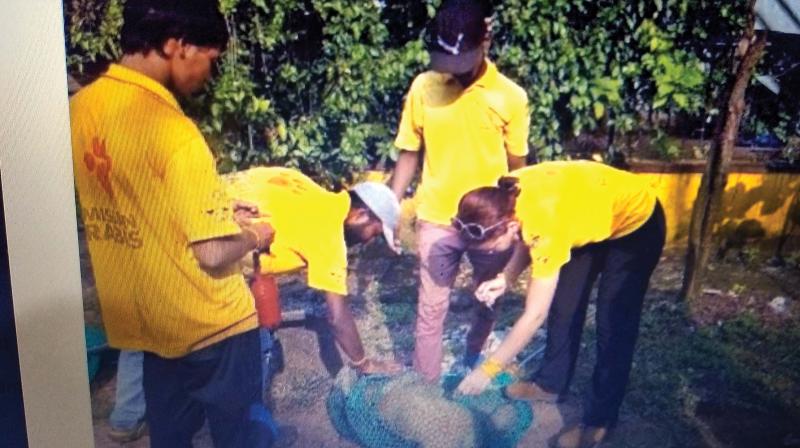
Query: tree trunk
x=709, y=197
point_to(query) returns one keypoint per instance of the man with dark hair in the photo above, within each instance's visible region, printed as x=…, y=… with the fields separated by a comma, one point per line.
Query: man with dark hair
x=148, y=24
x=313, y=228
x=472, y=123
x=162, y=232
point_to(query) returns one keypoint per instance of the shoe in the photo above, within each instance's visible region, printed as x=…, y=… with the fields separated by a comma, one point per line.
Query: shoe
x=530, y=391
x=580, y=436
x=124, y=435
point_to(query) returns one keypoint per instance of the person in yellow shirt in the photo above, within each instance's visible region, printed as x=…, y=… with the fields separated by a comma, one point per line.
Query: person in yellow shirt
x=313, y=228
x=470, y=123
x=572, y=222
x=162, y=233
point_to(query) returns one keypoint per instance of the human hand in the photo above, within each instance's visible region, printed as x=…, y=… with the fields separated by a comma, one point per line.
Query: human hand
x=476, y=382
x=264, y=235
x=374, y=366
x=244, y=212
x=397, y=246
x=488, y=291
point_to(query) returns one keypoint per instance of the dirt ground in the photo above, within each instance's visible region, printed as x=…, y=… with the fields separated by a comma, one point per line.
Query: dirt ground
x=383, y=297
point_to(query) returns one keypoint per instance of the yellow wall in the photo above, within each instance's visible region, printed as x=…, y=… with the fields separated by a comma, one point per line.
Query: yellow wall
x=755, y=205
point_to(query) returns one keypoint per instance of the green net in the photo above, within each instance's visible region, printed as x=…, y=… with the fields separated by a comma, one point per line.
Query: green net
x=405, y=412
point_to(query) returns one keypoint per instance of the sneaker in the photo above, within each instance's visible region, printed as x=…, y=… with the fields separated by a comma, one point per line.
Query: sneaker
x=530, y=391
x=580, y=436
x=124, y=435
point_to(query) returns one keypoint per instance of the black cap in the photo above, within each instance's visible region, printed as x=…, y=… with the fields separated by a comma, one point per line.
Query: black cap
x=455, y=37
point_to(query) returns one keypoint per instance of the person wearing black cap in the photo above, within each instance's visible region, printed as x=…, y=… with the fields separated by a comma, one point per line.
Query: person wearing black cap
x=472, y=122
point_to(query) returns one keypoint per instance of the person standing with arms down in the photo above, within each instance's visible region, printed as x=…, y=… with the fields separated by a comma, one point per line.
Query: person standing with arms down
x=576, y=221
x=469, y=123
x=162, y=232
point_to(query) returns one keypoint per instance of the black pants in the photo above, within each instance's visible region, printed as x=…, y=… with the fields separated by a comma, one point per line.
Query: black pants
x=221, y=383
x=624, y=266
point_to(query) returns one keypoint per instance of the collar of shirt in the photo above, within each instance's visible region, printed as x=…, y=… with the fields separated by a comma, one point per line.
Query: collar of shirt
x=486, y=80
x=488, y=77
x=129, y=76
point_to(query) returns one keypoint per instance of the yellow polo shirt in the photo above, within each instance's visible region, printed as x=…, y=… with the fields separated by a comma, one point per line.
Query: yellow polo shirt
x=564, y=205
x=308, y=222
x=148, y=187
x=466, y=135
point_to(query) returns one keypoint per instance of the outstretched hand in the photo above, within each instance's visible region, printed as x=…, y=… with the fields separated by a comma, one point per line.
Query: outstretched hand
x=488, y=291
x=476, y=382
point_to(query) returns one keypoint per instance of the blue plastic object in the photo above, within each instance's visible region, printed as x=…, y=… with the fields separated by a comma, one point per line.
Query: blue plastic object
x=95, y=344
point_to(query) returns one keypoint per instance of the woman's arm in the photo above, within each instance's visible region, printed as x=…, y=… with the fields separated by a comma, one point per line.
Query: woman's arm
x=537, y=305
x=487, y=292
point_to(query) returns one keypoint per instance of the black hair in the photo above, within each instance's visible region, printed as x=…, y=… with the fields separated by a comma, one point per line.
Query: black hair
x=148, y=24
x=357, y=203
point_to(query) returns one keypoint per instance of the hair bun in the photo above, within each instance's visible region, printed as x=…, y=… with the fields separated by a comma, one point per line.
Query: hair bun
x=509, y=184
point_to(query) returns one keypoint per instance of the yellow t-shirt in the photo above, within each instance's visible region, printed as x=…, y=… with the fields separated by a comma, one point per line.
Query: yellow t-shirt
x=564, y=205
x=308, y=222
x=466, y=136
x=148, y=187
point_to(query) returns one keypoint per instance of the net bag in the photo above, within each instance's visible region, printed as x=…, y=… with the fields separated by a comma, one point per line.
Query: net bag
x=404, y=411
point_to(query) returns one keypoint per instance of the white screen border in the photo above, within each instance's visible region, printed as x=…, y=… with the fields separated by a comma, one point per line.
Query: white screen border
x=39, y=200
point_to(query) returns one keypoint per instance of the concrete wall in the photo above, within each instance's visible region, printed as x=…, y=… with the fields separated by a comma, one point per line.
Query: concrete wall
x=755, y=205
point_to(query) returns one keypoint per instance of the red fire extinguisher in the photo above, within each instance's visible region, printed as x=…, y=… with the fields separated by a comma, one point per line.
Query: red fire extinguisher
x=265, y=291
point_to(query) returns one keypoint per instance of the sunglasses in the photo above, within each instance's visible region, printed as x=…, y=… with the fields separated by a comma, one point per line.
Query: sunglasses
x=475, y=231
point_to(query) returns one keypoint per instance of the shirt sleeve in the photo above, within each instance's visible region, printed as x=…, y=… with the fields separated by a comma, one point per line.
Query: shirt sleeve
x=327, y=268
x=202, y=208
x=409, y=133
x=517, y=129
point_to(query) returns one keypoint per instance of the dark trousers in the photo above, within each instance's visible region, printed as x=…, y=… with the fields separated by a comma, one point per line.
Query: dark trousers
x=221, y=383
x=624, y=266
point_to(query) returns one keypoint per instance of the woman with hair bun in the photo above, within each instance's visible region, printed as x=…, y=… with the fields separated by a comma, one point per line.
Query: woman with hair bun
x=572, y=222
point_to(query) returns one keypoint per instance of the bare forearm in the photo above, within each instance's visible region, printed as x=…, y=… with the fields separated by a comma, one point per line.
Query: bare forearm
x=220, y=253
x=537, y=305
x=515, y=162
x=518, y=338
x=404, y=172
x=344, y=327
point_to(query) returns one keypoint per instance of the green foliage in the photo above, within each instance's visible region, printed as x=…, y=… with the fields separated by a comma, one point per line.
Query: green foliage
x=93, y=31
x=316, y=85
x=666, y=146
x=610, y=63
x=319, y=84
x=678, y=75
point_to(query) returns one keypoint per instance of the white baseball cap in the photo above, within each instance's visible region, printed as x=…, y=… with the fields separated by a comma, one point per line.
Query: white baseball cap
x=384, y=204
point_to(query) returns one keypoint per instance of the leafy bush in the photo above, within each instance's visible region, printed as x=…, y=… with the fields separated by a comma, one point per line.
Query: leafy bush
x=318, y=84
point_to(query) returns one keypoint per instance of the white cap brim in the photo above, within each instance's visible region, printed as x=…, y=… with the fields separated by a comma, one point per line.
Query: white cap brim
x=388, y=234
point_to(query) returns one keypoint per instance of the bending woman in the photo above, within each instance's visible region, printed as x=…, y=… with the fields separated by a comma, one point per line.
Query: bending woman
x=573, y=222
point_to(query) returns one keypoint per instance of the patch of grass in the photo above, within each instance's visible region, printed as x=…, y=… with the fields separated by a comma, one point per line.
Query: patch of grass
x=740, y=364
x=399, y=313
